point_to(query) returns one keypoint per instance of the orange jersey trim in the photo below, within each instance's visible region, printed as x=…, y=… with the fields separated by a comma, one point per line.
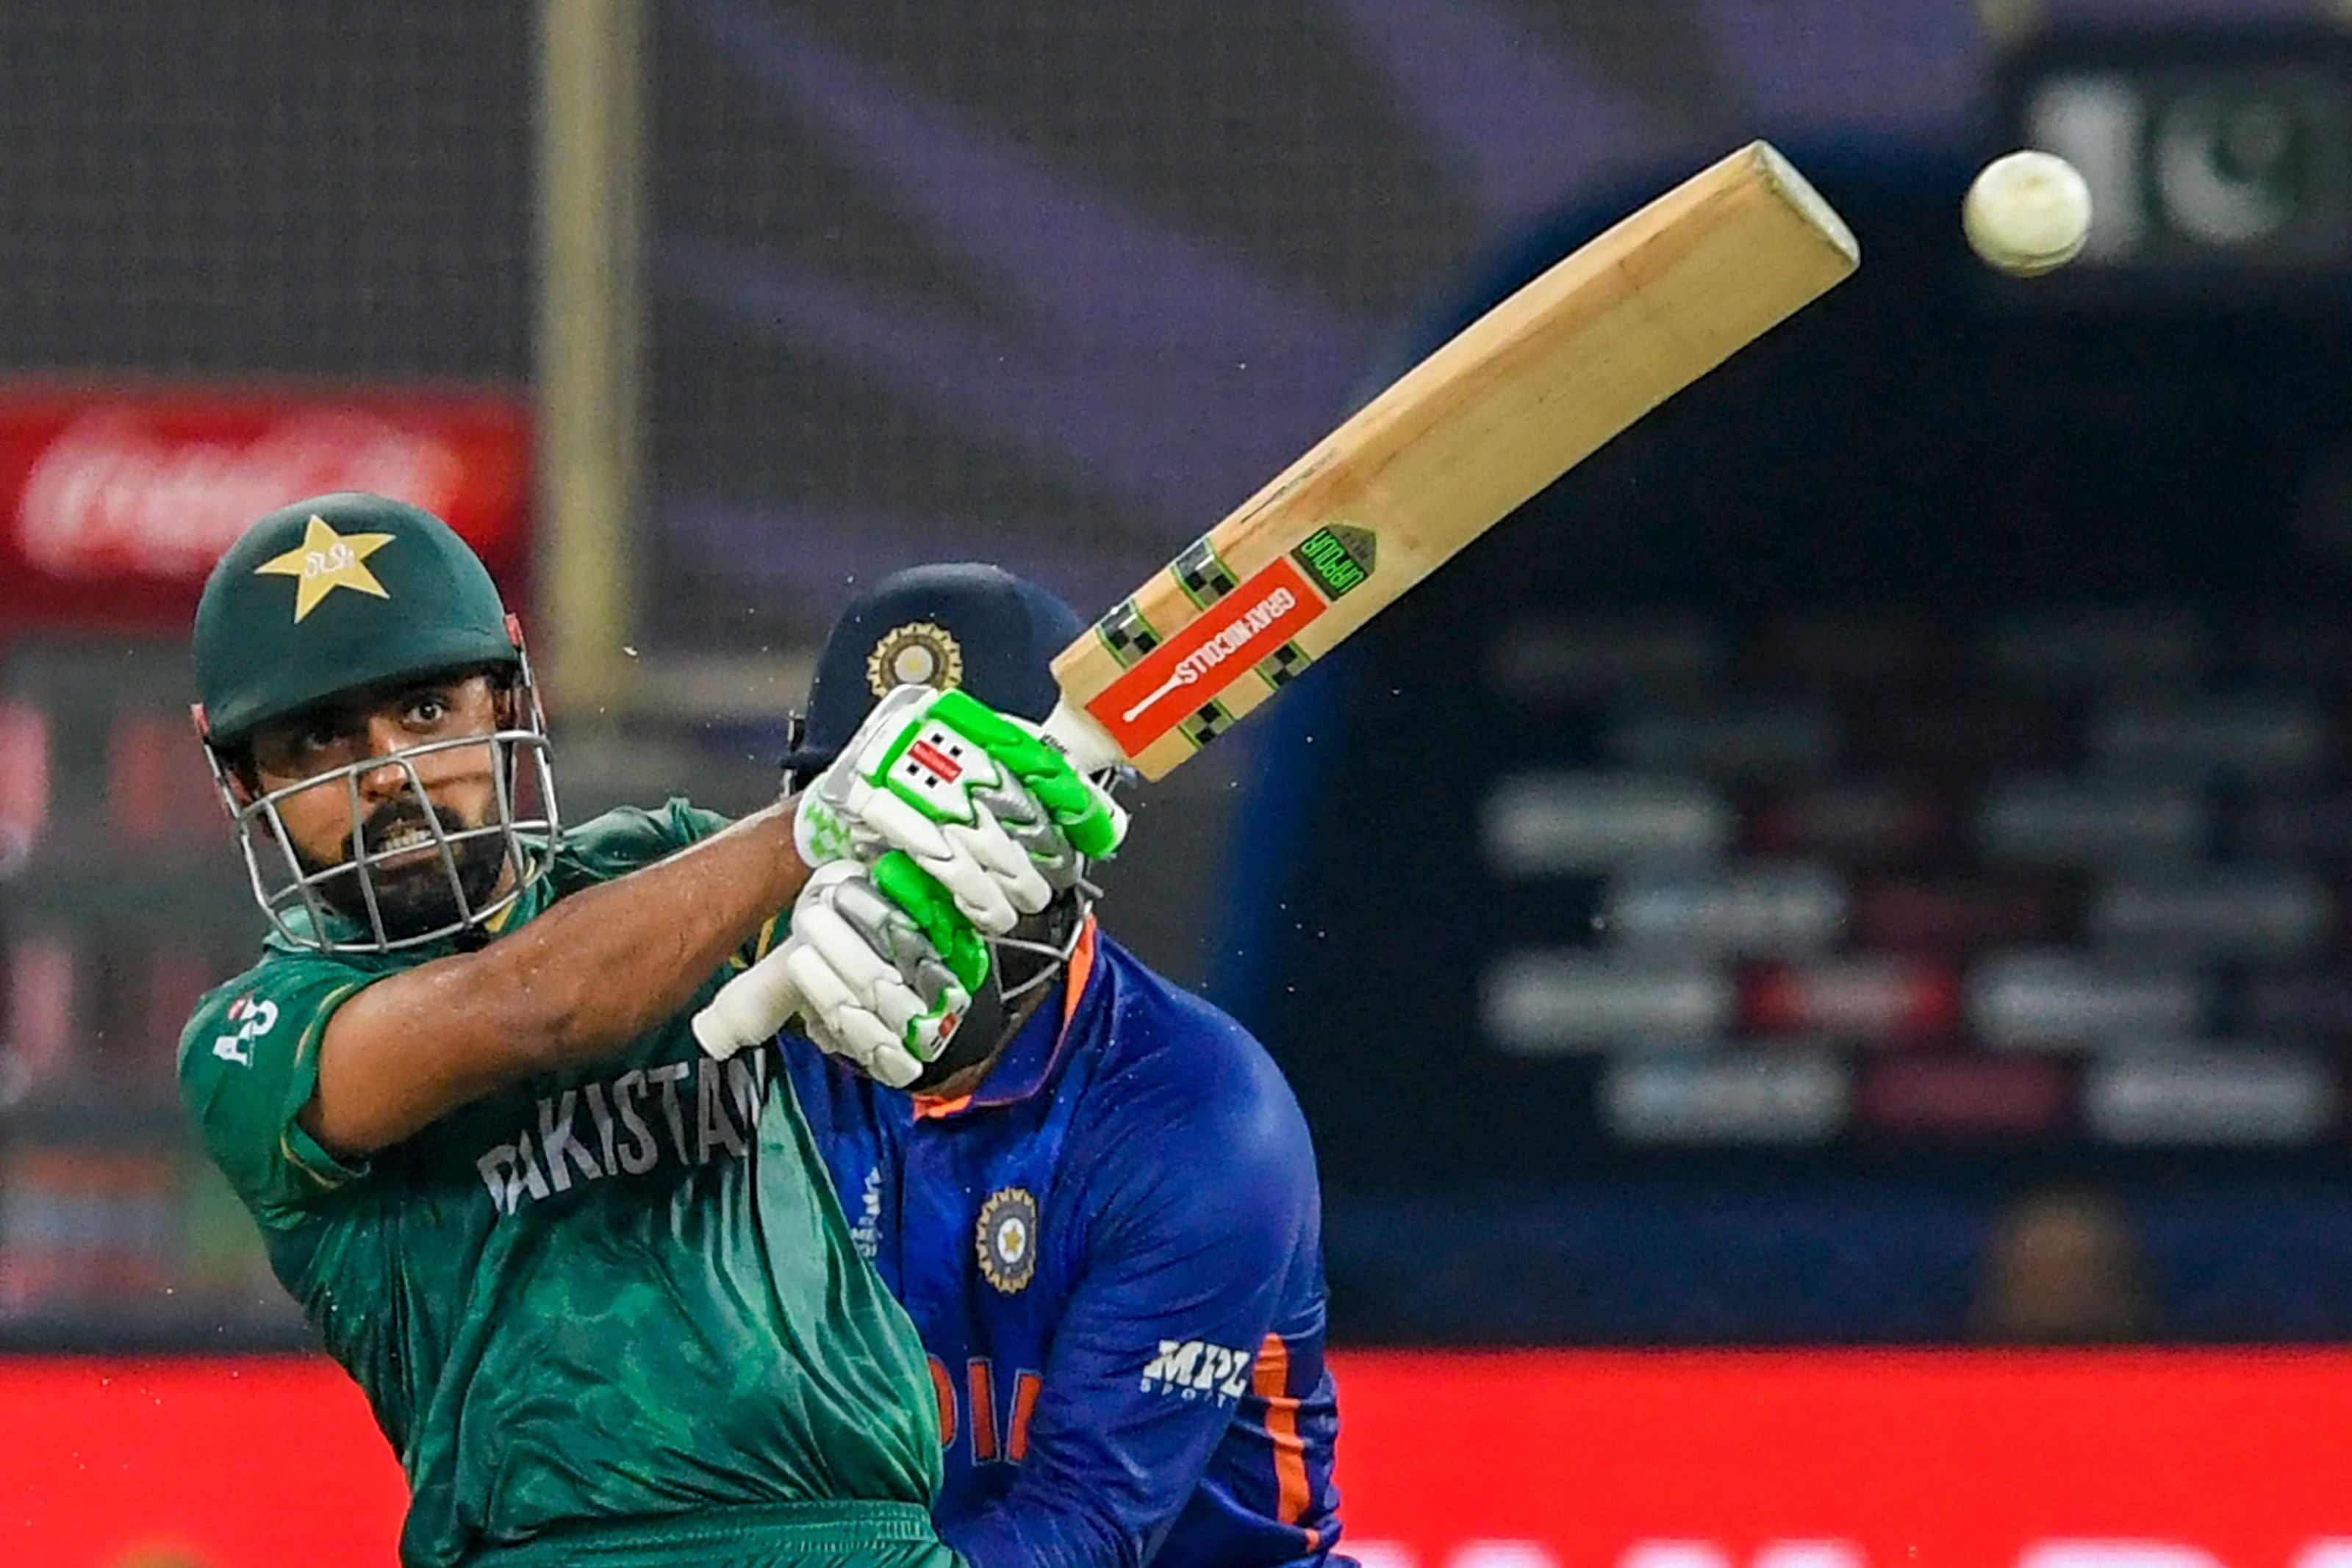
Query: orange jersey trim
x=1268, y=1380
x=1074, y=985
x=1082, y=969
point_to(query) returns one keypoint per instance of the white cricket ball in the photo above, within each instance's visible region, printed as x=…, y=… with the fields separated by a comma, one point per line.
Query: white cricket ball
x=2028, y=213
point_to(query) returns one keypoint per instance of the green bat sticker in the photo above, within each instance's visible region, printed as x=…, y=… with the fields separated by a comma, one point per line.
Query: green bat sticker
x=1337, y=558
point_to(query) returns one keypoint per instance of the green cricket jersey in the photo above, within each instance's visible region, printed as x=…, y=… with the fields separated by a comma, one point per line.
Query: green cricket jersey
x=614, y=1295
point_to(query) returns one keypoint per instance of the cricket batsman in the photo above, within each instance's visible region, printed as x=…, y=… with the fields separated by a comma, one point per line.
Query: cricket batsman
x=596, y=1286
x=1098, y=1202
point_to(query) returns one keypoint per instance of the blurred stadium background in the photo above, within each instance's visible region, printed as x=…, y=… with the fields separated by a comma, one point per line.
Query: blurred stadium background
x=1865, y=862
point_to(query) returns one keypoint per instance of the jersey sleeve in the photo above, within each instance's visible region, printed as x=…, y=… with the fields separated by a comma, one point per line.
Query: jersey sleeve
x=249, y=1063
x=628, y=837
x=1185, y=1262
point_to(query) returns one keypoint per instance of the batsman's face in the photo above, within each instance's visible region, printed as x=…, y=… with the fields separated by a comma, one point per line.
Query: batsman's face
x=395, y=757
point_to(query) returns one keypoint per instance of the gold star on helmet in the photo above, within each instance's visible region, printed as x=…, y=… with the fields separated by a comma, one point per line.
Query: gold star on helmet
x=324, y=562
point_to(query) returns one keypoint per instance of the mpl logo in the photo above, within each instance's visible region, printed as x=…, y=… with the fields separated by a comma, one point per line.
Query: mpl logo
x=2330, y=1553
x=1192, y=1367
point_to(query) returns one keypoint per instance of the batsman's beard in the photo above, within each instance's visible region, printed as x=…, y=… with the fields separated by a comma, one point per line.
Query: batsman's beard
x=412, y=897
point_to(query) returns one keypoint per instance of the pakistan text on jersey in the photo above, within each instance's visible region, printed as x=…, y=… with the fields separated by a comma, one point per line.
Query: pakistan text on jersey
x=625, y=1127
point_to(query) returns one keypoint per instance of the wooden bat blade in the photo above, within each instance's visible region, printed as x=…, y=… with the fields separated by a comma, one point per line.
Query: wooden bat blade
x=1513, y=401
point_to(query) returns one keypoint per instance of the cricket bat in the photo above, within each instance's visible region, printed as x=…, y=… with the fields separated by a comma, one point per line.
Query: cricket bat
x=1511, y=402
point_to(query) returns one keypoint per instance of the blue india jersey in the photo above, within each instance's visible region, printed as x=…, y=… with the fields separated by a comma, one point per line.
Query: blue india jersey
x=1112, y=1253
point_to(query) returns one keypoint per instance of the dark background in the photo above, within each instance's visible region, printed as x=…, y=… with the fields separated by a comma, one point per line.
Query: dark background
x=1056, y=285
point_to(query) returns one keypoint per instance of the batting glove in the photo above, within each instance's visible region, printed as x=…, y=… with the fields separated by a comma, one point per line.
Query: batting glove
x=879, y=969
x=980, y=802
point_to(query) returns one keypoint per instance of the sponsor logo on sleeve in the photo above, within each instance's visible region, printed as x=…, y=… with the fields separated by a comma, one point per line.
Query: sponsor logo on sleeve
x=254, y=1017
x=1195, y=1369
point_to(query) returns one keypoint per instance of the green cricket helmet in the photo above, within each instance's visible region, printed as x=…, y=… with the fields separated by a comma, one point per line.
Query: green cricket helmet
x=336, y=596
x=335, y=593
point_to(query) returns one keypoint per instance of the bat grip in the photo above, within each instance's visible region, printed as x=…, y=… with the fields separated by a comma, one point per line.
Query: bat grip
x=748, y=1009
x=1078, y=737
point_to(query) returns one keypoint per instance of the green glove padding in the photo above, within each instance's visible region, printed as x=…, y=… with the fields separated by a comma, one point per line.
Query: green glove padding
x=1076, y=805
x=919, y=893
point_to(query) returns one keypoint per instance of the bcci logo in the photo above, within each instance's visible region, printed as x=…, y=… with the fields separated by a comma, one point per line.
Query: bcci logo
x=920, y=653
x=1008, y=1238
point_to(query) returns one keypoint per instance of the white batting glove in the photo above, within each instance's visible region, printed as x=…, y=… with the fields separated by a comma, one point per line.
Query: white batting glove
x=979, y=801
x=863, y=974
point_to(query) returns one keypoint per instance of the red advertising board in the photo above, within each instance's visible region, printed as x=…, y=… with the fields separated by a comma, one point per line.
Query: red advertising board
x=115, y=501
x=1849, y=1460
x=243, y=1462
x=2185, y=1459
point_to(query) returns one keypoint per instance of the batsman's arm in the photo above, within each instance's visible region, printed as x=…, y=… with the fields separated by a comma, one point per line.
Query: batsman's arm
x=572, y=985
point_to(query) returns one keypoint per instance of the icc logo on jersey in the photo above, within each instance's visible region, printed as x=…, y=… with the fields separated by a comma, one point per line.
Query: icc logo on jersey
x=1008, y=1238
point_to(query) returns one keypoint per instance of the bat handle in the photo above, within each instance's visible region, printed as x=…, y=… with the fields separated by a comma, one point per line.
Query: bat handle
x=1086, y=743
x=748, y=1009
